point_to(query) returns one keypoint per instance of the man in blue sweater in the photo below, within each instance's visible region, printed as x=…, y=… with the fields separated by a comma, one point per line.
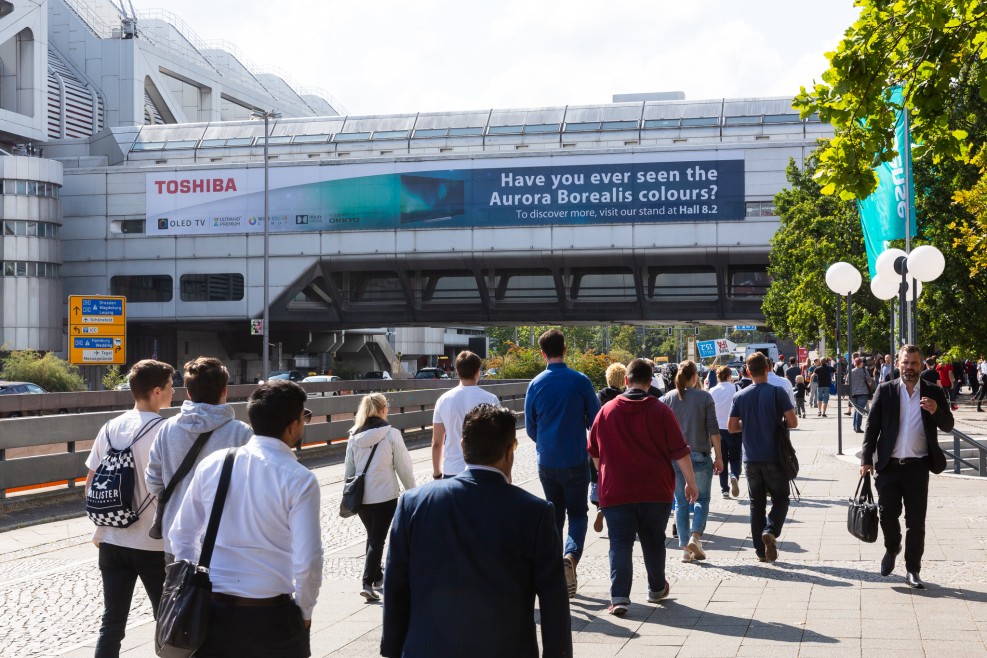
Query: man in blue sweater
x=559, y=407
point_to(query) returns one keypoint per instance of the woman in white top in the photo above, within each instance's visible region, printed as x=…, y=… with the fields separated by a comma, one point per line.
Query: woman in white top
x=387, y=463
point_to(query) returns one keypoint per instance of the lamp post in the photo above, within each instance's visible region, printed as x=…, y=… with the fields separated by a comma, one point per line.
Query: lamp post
x=925, y=263
x=843, y=279
x=266, y=357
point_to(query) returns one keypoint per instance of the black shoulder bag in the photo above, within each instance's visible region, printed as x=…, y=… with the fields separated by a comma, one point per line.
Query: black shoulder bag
x=353, y=489
x=861, y=516
x=787, y=458
x=183, y=469
x=183, y=614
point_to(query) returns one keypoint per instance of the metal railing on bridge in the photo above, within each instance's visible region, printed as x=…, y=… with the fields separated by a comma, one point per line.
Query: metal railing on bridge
x=963, y=444
x=49, y=451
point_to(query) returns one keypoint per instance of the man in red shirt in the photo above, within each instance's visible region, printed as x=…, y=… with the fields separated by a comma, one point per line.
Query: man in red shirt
x=634, y=440
x=946, y=380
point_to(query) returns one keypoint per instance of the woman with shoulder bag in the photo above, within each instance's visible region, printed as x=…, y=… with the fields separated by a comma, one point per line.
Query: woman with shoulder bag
x=390, y=460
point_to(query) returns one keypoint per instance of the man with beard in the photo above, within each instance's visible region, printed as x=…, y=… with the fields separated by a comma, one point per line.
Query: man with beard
x=902, y=445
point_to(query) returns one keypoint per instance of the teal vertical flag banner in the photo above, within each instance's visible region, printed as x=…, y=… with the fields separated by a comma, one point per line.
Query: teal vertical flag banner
x=883, y=213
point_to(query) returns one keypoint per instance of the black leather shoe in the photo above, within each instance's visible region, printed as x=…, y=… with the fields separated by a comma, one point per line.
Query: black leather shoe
x=887, y=564
x=914, y=581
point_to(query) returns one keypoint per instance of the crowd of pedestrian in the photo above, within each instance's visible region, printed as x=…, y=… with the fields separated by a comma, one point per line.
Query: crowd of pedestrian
x=469, y=541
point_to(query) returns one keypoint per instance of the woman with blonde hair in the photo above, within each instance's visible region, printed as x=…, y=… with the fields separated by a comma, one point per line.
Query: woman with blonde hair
x=696, y=412
x=616, y=377
x=373, y=441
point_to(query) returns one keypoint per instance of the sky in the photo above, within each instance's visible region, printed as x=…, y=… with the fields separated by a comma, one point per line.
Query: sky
x=390, y=57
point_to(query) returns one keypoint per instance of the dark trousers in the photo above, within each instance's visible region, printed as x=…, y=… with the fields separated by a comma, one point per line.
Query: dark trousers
x=983, y=390
x=732, y=448
x=764, y=479
x=904, y=485
x=646, y=522
x=120, y=567
x=270, y=631
x=376, y=519
x=566, y=489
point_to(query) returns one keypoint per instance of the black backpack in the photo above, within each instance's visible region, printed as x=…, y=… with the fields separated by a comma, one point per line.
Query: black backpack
x=110, y=496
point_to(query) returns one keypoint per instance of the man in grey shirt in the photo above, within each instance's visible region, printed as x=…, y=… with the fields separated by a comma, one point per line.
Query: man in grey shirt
x=206, y=410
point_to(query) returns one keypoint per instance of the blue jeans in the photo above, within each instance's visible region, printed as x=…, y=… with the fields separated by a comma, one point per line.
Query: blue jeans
x=861, y=402
x=733, y=452
x=764, y=479
x=647, y=522
x=566, y=489
x=702, y=465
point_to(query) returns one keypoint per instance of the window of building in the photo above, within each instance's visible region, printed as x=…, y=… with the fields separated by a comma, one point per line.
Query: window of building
x=369, y=287
x=391, y=134
x=541, y=128
x=693, y=122
x=582, y=127
x=602, y=285
x=307, y=139
x=148, y=146
x=274, y=141
x=142, y=287
x=742, y=121
x=782, y=118
x=475, y=131
x=211, y=287
x=749, y=281
x=660, y=124
x=350, y=137
x=132, y=226
x=682, y=285
x=760, y=209
x=505, y=130
x=32, y=269
x=619, y=125
x=426, y=133
x=450, y=287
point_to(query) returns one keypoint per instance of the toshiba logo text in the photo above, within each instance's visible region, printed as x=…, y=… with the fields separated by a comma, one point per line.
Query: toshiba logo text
x=195, y=185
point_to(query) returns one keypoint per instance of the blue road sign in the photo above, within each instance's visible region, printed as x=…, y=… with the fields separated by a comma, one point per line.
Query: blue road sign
x=96, y=306
x=102, y=343
x=745, y=327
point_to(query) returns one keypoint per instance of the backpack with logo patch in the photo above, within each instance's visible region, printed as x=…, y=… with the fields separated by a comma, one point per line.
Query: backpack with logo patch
x=110, y=497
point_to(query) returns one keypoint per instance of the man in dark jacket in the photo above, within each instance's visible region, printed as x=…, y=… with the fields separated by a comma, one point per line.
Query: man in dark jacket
x=469, y=554
x=902, y=445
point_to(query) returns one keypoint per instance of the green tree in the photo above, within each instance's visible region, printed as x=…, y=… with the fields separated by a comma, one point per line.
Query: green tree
x=112, y=377
x=49, y=372
x=816, y=231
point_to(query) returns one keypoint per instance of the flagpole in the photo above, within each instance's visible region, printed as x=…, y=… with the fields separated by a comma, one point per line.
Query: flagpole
x=906, y=159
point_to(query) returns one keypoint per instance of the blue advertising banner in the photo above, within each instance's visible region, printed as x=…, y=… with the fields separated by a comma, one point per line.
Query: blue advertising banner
x=532, y=191
x=888, y=212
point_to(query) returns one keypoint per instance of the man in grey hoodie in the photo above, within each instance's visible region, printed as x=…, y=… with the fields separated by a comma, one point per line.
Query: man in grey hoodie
x=206, y=410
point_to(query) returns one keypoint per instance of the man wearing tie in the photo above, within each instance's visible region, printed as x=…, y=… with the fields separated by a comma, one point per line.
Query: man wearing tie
x=901, y=443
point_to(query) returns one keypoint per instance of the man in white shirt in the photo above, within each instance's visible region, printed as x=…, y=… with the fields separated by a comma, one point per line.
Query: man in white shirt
x=126, y=554
x=730, y=443
x=266, y=569
x=450, y=412
x=781, y=382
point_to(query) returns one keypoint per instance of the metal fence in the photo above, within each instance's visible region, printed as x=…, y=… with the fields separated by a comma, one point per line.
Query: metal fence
x=58, y=436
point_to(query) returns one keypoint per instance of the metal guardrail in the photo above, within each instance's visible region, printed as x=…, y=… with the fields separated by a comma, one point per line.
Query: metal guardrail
x=411, y=402
x=959, y=438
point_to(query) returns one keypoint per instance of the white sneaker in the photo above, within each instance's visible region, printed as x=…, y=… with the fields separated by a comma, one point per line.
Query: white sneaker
x=695, y=548
x=687, y=556
x=734, y=486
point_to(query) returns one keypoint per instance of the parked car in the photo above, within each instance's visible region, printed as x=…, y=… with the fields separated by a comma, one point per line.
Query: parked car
x=431, y=373
x=21, y=388
x=375, y=374
x=322, y=378
x=290, y=375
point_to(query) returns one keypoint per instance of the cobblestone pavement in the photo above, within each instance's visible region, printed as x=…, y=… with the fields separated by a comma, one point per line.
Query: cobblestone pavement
x=824, y=596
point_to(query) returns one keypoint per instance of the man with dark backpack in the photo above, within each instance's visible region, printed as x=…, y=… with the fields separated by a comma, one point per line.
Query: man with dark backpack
x=755, y=414
x=118, y=502
x=204, y=425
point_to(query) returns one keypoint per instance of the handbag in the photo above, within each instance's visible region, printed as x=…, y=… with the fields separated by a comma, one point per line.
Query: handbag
x=183, y=614
x=154, y=532
x=861, y=516
x=352, y=499
x=787, y=458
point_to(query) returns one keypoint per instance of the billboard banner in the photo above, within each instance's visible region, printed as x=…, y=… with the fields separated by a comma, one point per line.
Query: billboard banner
x=531, y=191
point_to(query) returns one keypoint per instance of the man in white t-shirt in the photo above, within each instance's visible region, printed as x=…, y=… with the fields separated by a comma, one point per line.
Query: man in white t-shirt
x=450, y=412
x=126, y=554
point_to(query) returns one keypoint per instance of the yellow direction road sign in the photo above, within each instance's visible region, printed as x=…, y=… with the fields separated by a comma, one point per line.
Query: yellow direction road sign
x=97, y=330
x=98, y=350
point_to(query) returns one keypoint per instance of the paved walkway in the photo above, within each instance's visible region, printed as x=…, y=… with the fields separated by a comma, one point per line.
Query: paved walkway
x=823, y=597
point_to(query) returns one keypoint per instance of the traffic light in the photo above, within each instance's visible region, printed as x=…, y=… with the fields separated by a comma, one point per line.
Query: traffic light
x=670, y=331
x=697, y=331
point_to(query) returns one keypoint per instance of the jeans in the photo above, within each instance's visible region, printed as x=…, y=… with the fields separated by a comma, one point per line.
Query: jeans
x=702, y=465
x=269, y=631
x=566, y=489
x=904, y=485
x=647, y=522
x=376, y=518
x=764, y=478
x=859, y=402
x=733, y=452
x=120, y=567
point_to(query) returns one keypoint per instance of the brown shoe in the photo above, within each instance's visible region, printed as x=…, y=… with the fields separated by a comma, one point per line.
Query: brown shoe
x=569, y=566
x=598, y=523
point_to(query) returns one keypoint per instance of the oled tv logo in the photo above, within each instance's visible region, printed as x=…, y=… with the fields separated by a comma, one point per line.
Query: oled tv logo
x=162, y=223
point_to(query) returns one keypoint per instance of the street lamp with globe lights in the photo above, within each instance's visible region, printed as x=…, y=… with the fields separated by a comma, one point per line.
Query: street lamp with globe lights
x=923, y=264
x=843, y=279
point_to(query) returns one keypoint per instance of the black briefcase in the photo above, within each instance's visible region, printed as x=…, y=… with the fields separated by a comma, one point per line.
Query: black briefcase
x=861, y=516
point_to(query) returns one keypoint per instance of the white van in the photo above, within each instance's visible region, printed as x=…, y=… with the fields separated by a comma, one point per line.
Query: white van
x=770, y=350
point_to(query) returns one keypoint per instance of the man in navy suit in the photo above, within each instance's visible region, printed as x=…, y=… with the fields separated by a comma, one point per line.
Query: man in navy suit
x=901, y=443
x=469, y=554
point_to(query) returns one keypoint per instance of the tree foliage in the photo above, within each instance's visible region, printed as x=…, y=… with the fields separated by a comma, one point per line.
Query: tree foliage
x=925, y=47
x=112, y=377
x=816, y=231
x=49, y=372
